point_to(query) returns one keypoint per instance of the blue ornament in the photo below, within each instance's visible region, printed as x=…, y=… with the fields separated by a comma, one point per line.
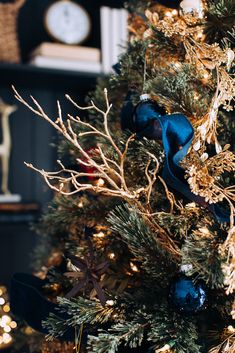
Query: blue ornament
x=146, y=117
x=186, y=296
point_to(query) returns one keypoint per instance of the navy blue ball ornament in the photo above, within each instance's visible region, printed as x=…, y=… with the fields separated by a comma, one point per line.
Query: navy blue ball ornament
x=186, y=296
x=146, y=118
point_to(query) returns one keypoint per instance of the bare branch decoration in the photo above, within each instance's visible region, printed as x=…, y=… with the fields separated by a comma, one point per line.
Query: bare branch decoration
x=112, y=172
x=68, y=182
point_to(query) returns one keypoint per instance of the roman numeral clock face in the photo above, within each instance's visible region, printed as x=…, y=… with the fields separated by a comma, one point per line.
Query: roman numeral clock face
x=67, y=22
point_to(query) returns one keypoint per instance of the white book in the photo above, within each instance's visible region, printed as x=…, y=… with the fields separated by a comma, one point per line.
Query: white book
x=65, y=64
x=116, y=35
x=65, y=51
x=106, y=38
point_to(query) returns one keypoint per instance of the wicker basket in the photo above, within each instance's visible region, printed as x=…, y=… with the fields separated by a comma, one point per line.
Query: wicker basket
x=9, y=44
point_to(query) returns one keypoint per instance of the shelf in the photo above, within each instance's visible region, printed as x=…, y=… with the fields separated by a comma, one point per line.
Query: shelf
x=30, y=76
x=15, y=213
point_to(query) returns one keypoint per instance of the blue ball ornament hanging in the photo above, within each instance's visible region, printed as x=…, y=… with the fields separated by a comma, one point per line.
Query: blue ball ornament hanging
x=146, y=117
x=186, y=296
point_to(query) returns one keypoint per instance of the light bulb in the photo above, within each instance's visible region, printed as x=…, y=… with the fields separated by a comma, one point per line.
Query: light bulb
x=134, y=267
x=2, y=301
x=6, y=319
x=7, y=329
x=6, y=338
x=112, y=256
x=6, y=308
x=100, y=182
x=99, y=235
x=13, y=324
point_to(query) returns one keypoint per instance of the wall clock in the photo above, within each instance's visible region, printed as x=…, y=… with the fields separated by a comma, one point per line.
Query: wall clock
x=67, y=22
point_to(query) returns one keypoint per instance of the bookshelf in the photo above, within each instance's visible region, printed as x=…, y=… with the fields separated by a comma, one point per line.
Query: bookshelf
x=25, y=75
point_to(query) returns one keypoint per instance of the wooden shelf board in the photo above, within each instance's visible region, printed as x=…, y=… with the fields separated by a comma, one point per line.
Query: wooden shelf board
x=31, y=76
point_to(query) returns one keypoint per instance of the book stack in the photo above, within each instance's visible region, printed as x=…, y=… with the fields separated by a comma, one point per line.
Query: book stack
x=114, y=35
x=66, y=57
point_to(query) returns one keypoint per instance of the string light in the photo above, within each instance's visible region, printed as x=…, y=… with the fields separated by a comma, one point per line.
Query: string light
x=100, y=182
x=6, y=308
x=168, y=13
x=177, y=65
x=174, y=12
x=171, y=13
x=6, y=338
x=6, y=323
x=200, y=35
x=13, y=324
x=112, y=256
x=134, y=267
x=196, y=96
x=99, y=235
x=231, y=329
x=110, y=302
x=2, y=301
x=163, y=349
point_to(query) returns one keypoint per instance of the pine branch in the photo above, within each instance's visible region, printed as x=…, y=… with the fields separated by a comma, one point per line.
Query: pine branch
x=144, y=245
x=201, y=249
x=130, y=333
x=169, y=328
x=80, y=311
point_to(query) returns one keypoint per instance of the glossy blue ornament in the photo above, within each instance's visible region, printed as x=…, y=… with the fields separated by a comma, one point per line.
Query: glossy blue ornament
x=186, y=296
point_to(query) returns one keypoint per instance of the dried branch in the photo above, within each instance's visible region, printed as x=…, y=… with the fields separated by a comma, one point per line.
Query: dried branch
x=112, y=172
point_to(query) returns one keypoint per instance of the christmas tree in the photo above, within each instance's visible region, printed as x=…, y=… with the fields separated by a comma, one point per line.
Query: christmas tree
x=140, y=236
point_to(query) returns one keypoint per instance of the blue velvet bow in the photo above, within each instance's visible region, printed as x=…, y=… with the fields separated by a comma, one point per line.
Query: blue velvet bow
x=176, y=132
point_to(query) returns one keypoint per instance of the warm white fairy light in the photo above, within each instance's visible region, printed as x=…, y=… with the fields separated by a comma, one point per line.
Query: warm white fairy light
x=112, y=256
x=80, y=205
x=177, y=65
x=174, y=12
x=110, y=302
x=196, y=96
x=7, y=329
x=171, y=13
x=200, y=34
x=99, y=235
x=6, y=308
x=2, y=301
x=163, y=349
x=6, y=323
x=6, y=338
x=100, y=182
x=134, y=267
x=231, y=329
x=168, y=13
